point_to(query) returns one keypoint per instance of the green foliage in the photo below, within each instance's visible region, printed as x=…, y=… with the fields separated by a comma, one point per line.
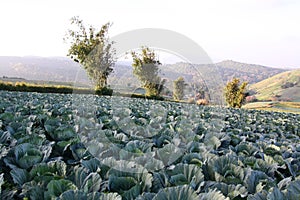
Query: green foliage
x=146, y=68
x=86, y=181
x=230, y=190
x=179, y=85
x=26, y=87
x=93, y=51
x=104, y=91
x=24, y=156
x=1, y=182
x=20, y=176
x=235, y=93
x=56, y=187
x=212, y=194
x=176, y=193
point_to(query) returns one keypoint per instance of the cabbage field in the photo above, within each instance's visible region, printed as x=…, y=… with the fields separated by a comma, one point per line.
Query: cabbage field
x=56, y=146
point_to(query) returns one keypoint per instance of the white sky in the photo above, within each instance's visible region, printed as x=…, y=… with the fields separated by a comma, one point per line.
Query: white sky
x=254, y=31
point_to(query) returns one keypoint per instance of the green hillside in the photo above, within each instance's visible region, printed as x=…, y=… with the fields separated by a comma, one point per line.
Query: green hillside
x=281, y=87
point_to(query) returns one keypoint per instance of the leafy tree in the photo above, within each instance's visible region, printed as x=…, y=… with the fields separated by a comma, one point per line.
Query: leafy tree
x=146, y=68
x=201, y=91
x=93, y=51
x=235, y=93
x=179, y=85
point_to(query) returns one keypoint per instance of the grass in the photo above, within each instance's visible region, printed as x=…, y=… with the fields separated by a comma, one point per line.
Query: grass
x=29, y=87
x=64, y=89
x=291, y=107
x=14, y=80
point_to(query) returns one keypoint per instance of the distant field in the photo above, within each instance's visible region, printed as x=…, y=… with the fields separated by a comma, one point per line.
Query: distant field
x=40, y=82
x=292, y=107
x=25, y=86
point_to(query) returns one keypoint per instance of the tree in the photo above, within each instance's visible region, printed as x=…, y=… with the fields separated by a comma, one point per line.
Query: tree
x=146, y=68
x=179, y=85
x=93, y=51
x=201, y=91
x=235, y=93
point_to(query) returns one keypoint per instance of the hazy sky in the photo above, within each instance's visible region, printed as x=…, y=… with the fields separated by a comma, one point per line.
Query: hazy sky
x=254, y=31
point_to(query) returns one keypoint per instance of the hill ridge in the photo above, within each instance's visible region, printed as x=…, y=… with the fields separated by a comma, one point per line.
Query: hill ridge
x=64, y=69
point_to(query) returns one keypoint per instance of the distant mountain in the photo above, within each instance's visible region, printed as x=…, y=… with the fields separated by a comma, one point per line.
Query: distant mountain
x=227, y=70
x=39, y=68
x=59, y=69
x=284, y=86
x=252, y=73
x=64, y=69
x=211, y=77
x=267, y=83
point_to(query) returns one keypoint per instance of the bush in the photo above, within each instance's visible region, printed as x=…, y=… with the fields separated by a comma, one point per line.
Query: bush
x=179, y=85
x=202, y=102
x=250, y=99
x=191, y=100
x=25, y=87
x=104, y=91
x=235, y=93
x=6, y=86
x=20, y=84
x=288, y=85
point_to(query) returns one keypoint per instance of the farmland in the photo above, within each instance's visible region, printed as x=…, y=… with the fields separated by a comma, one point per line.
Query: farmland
x=63, y=146
x=278, y=106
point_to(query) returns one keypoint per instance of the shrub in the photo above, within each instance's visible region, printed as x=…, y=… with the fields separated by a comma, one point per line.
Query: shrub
x=235, y=94
x=104, y=91
x=179, y=85
x=191, y=100
x=250, y=99
x=203, y=102
x=20, y=84
x=288, y=85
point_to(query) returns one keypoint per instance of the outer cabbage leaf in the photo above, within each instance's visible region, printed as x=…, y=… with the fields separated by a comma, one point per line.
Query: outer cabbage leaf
x=186, y=174
x=212, y=194
x=1, y=182
x=230, y=191
x=258, y=196
x=293, y=190
x=86, y=181
x=255, y=181
x=20, y=176
x=275, y=194
x=183, y=192
x=93, y=165
x=169, y=154
x=73, y=194
x=224, y=169
x=24, y=155
x=108, y=196
x=56, y=187
x=52, y=168
x=146, y=196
